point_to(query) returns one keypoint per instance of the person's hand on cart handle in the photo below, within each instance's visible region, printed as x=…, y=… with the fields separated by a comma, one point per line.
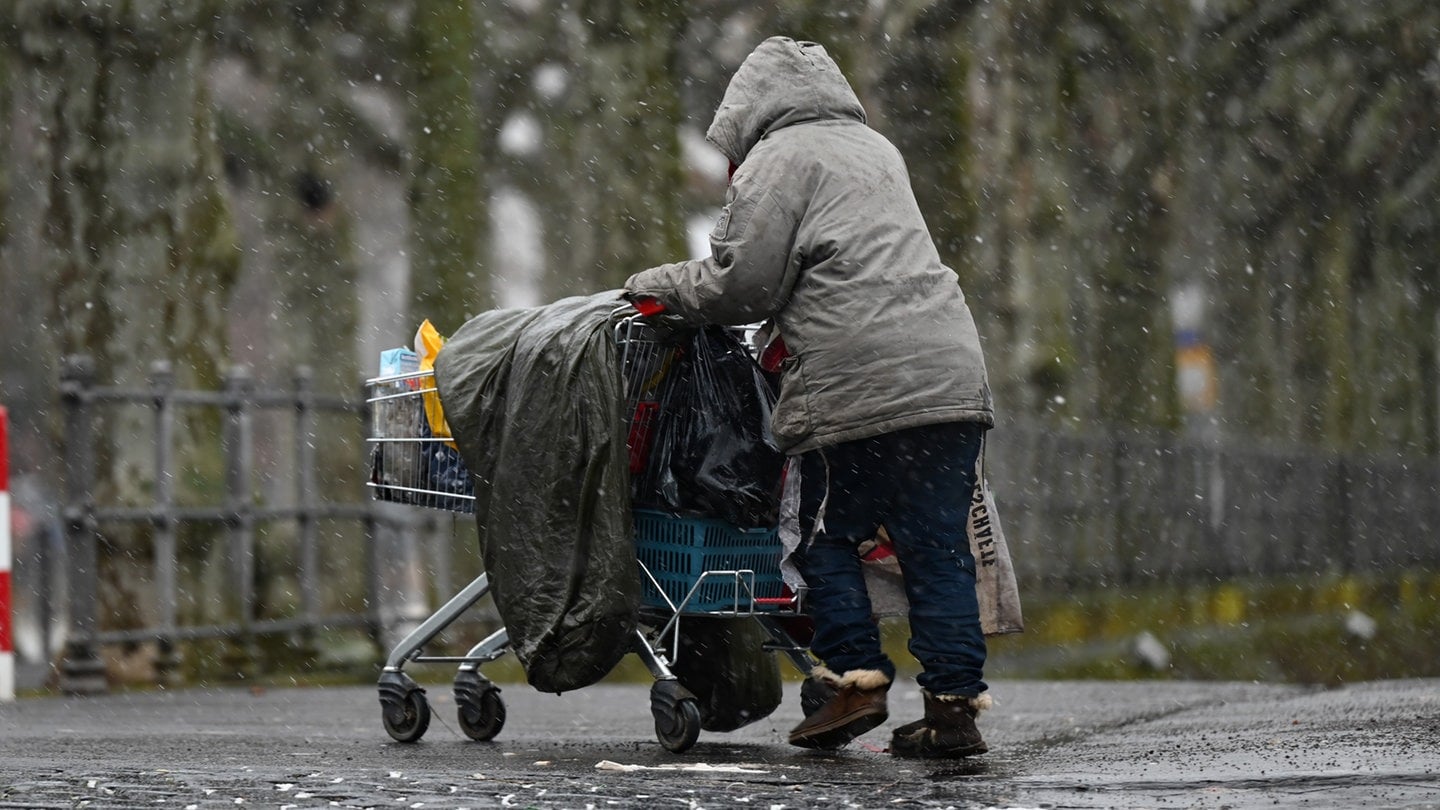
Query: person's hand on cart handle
x=647, y=306
x=652, y=312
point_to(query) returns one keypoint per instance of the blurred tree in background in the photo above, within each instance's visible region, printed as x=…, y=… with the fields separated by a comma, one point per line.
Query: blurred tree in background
x=125, y=248
x=1129, y=192
x=447, y=193
x=1082, y=166
x=1317, y=138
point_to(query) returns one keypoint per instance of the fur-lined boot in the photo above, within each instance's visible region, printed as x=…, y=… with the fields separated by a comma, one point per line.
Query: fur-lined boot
x=857, y=707
x=948, y=730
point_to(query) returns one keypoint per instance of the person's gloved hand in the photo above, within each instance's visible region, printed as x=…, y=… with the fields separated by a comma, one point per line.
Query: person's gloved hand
x=667, y=326
x=647, y=306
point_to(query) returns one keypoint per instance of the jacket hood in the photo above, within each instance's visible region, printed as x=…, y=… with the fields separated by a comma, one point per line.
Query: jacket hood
x=781, y=82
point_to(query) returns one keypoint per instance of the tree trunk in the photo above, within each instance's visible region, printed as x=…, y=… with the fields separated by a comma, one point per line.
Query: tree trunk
x=138, y=246
x=615, y=181
x=1326, y=165
x=448, y=198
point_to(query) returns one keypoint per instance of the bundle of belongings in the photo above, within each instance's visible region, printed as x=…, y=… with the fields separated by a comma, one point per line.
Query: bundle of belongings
x=995, y=585
x=411, y=461
x=534, y=399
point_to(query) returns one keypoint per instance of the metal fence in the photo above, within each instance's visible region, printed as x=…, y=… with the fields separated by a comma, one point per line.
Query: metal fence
x=1097, y=509
x=241, y=516
x=1121, y=506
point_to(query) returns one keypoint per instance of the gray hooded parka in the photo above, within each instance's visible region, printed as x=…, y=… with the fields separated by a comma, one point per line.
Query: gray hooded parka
x=821, y=233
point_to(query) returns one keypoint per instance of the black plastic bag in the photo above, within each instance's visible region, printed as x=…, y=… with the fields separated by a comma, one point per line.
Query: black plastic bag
x=712, y=454
x=443, y=471
x=724, y=664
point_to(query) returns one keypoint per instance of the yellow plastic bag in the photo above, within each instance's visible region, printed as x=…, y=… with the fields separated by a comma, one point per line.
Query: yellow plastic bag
x=428, y=343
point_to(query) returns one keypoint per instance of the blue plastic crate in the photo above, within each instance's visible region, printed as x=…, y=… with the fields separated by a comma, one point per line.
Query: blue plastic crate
x=677, y=550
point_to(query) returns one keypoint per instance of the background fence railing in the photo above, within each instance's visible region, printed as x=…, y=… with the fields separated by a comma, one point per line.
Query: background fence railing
x=1101, y=508
x=1121, y=506
x=251, y=510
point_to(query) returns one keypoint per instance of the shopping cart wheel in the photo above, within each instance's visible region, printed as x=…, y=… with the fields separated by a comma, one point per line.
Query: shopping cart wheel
x=677, y=715
x=482, y=712
x=406, y=718
x=814, y=694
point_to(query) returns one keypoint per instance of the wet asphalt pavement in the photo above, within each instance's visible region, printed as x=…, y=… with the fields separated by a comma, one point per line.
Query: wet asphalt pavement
x=1053, y=744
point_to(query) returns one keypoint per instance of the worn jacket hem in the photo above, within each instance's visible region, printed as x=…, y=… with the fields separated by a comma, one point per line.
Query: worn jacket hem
x=819, y=439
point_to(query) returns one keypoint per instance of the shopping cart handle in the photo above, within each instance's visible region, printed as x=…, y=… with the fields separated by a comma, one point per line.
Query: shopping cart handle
x=648, y=306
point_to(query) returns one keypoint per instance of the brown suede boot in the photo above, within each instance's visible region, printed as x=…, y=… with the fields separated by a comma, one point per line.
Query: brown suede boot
x=857, y=707
x=948, y=730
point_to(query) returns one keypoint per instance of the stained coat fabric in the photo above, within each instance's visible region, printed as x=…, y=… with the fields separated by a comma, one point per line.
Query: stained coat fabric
x=533, y=398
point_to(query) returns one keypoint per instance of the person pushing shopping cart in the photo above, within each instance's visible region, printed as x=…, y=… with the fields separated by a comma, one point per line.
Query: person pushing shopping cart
x=884, y=399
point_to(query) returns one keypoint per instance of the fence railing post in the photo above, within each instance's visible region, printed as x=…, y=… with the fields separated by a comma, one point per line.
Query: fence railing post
x=162, y=385
x=1122, y=561
x=7, y=608
x=374, y=613
x=305, y=493
x=81, y=669
x=241, y=519
x=1219, y=561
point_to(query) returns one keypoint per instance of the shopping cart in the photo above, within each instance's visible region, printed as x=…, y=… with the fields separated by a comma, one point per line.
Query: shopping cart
x=689, y=567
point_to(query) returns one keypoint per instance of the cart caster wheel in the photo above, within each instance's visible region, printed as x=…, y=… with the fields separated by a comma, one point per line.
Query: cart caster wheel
x=814, y=694
x=679, y=728
x=407, y=719
x=481, y=710
x=677, y=716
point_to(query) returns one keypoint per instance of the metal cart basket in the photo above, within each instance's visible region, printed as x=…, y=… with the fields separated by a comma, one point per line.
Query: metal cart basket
x=689, y=566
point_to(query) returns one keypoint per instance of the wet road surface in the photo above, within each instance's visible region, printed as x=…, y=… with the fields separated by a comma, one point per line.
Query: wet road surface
x=1053, y=744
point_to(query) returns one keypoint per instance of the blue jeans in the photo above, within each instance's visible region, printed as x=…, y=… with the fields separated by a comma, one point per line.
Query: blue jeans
x=918, y=483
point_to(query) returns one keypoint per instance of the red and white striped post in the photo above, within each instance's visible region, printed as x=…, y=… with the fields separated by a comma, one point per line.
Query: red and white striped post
x=7, y=635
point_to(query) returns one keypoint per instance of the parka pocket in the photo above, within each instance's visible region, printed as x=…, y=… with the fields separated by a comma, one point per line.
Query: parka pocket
x=722, y=227
x=792, y=421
